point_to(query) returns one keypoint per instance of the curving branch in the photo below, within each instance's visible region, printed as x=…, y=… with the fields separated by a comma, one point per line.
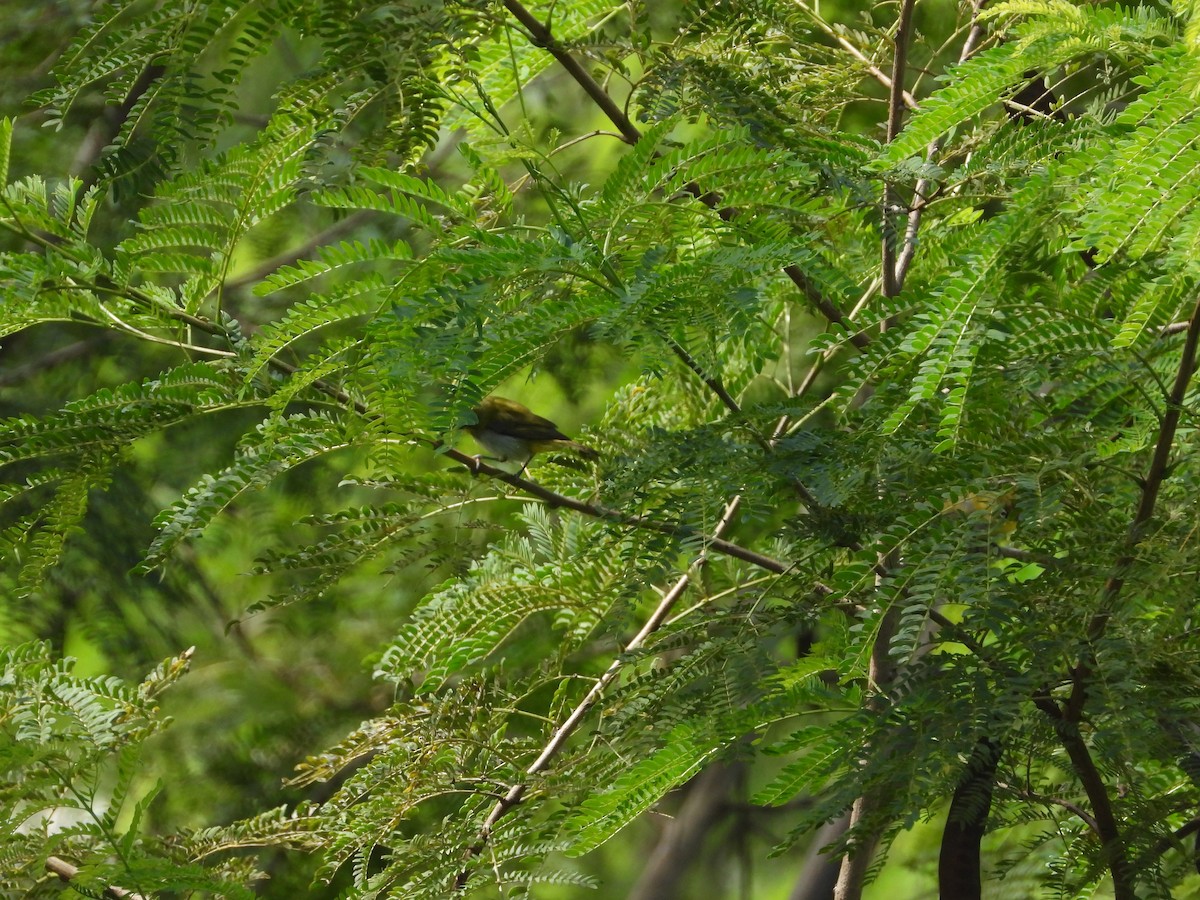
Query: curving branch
x=966, y=824
x=1104, y=817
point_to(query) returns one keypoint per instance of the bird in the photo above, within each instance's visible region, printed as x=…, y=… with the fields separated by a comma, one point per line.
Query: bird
x=510, y=432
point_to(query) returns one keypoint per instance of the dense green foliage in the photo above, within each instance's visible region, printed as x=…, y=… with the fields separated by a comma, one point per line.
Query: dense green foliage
x=898, y=458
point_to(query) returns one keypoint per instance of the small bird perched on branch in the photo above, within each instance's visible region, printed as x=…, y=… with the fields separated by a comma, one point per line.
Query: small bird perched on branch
x=509, y=431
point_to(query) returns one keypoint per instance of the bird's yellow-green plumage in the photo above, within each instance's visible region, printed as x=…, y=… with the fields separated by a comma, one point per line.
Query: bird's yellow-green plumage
x=509, y=431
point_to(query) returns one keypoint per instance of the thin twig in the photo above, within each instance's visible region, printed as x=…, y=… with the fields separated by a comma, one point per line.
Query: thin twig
x=822, y=303
x=1074, y=808
x=293, y=254
x=877, y=73
x=710, y=542
x=517, y=792
x=717, y=387
x=49, y=360
x=542, y=37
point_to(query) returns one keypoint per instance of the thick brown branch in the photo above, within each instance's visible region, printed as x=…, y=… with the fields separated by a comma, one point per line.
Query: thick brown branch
x=107, y=126
x=1164, y=844
x=1083, y=672
x=1092, y=782
x=1159, y=465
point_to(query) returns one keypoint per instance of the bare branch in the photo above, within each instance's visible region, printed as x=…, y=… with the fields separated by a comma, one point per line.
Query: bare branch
x=67, y=872
x=1174, y=328
x=877, y=73
x=560, y=501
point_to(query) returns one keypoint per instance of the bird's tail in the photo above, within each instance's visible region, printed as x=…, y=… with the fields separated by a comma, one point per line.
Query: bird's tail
x=582, y=450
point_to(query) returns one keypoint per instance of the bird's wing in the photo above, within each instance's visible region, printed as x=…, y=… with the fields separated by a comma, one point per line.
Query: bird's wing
x=533, y=428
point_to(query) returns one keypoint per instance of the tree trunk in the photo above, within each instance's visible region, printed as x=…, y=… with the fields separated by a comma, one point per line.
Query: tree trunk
x=682, y=839
x=959, y=860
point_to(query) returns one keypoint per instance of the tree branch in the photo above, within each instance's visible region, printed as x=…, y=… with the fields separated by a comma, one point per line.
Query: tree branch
x=107, y=126
x=1155, y=475
x=882, y=669
x=67, y=872
x=966, y=824
x=877, y=73
x=1092, y=781
x=891, y=283
x=683, y=838
x=541, y=36
x=559, y=738
x=921, y=190
x=1164, y=844
x=1083, y=672
x=292, y=255
x=727, y=548
x=717, y=387
x=597, y=511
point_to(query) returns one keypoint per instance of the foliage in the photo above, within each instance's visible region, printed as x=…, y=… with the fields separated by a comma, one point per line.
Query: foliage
x=72, y=748
x=859, y=532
